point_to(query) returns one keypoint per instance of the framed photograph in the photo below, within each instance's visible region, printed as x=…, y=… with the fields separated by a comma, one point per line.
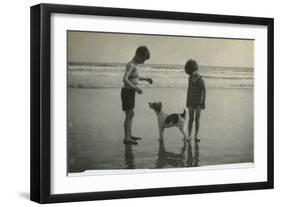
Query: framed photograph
x=133, y=103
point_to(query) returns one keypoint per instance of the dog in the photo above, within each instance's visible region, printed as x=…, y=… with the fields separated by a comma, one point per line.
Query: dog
x=169, y=120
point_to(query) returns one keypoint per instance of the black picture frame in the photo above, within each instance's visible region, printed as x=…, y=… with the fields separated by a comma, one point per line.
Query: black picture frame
x=41, y=102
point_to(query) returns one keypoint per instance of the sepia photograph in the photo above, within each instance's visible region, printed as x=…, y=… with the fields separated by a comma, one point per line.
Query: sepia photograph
x=147, y=101
x=129, y=103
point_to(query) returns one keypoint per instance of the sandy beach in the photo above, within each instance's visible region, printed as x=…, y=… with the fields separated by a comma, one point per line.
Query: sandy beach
x=95, y=130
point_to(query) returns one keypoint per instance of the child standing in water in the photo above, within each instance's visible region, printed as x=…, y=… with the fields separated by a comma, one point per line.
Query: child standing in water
x=196, y=95
x=130, y=80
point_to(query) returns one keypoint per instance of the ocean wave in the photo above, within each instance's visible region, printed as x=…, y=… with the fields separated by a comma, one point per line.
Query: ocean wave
x=110, y=76
x=227, y=77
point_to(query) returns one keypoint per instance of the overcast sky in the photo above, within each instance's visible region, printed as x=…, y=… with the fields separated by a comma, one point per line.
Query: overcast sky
x=110, y=47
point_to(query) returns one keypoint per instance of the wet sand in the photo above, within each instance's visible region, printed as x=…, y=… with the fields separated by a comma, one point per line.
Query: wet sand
x=95, y=130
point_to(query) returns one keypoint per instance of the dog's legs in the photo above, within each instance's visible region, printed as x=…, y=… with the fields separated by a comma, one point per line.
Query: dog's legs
x=183, y=131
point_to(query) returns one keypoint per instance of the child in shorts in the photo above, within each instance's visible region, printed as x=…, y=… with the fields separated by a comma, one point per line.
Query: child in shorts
x=129, y=89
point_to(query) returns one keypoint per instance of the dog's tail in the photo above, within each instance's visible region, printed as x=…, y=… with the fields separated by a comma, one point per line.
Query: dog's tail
x=183, y=114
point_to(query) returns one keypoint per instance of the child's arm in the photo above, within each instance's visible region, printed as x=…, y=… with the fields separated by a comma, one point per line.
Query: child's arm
x=149, y=80
x=204, y=94
x=128, y=71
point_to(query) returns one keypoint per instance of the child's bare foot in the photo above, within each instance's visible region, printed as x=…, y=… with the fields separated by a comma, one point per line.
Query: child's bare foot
x=129, y=141
x=188, y=139
x=135, y=138
x=197, y=139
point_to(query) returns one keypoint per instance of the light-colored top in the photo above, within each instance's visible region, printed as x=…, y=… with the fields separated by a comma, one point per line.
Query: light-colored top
x=134, y=75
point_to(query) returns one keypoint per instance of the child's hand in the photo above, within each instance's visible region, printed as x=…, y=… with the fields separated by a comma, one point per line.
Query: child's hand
x=149, y=80
x=138, y=90
x=202, y=106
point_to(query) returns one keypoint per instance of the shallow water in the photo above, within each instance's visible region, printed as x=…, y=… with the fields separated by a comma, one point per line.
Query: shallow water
x=95, y=130
x=109, y=75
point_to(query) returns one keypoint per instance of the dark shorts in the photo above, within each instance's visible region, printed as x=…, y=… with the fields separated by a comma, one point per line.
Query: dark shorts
x=128, y=98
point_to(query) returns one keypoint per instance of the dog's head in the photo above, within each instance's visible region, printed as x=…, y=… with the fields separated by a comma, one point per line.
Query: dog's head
x=156, y=106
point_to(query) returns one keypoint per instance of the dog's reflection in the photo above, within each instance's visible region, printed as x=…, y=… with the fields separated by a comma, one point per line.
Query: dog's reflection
x=184, y=158
x=129, y=157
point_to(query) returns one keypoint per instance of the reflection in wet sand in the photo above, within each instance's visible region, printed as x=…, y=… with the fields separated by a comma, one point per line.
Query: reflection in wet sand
x=192, y=161
x=196, y=155
x=129, y=157
x=167, y=159
x=95, y=132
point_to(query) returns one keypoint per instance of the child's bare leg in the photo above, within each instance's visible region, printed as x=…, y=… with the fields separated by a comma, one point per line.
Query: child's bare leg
x=161, y=133
x=131, y=123
x=197, y=122
x=190, y=122
x=128, y=124
x=130, y=128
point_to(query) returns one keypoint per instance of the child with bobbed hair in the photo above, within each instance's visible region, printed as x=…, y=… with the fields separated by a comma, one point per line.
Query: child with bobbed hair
x=196, y=96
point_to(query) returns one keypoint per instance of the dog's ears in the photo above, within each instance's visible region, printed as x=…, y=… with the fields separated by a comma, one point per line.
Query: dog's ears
x=158, y=107
x=160, y=104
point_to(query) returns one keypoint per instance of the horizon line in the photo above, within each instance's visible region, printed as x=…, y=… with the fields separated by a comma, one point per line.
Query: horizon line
x=124, y=63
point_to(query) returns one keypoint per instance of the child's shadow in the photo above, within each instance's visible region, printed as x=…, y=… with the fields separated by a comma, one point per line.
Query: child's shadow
x=181, y=159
